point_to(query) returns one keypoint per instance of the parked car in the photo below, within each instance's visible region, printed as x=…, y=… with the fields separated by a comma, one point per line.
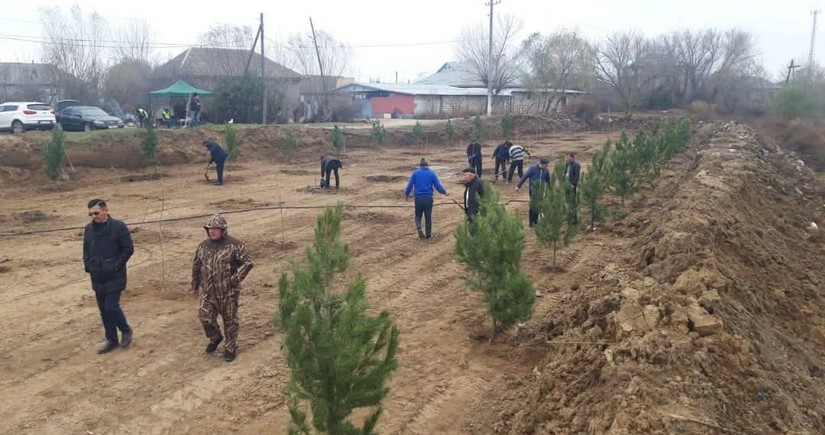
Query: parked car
x=62, y=104
x=18, y=117
x=86, y=118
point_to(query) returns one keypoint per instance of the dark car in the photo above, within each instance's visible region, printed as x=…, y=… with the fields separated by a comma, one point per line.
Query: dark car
x=86, y=118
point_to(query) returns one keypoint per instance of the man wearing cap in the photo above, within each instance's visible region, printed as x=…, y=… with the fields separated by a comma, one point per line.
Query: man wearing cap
x=538, y=174
x=217, y=155
x=473, y=190
x=221, y=263
x=422, y=181
x=107, y=246
x=329, y=164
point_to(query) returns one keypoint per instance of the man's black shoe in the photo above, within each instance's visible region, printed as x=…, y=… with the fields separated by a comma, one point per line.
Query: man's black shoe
x=126, y=339
x=229, y=356
x=108, y=347
x=213, y=345
x=421, y=234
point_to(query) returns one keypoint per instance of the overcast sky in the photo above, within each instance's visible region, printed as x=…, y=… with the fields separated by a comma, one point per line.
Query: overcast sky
x=414, y=38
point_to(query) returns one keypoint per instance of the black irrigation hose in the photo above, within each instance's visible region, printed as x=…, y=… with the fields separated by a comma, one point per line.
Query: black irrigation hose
x=243, y=210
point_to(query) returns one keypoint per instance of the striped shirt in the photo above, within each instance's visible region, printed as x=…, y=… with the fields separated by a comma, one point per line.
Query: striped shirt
x=516, y=153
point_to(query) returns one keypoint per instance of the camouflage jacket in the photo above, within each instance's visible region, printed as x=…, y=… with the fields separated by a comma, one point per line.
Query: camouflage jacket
x=220, y=266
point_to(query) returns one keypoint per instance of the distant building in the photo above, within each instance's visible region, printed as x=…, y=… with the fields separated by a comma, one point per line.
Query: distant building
x=27, y=82
x=314, y=89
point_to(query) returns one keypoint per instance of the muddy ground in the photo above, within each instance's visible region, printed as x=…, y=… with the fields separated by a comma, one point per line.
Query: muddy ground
x=699, y=312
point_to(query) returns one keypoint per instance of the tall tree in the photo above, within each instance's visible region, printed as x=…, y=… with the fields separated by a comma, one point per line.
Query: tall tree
x=135, y=41
x=621, y=62
x=473, y=48
x=339, y=356
x=300, y=55
x=75, y=44
x=562, y=60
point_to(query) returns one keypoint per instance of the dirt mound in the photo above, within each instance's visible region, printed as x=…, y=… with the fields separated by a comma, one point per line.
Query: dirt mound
x=146, y=235
x=373, y=217
x=235, y=203
x=131, y=178
x=28, y=216
x=710, y=321
x=385, y=178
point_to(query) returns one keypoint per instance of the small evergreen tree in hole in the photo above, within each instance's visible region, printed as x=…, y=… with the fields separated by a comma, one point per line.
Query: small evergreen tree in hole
x=54, y=151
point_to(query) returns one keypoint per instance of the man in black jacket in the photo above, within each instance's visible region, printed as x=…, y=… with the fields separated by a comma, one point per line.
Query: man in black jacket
x=572, y=173
x=502, y=155
x=329, y=164
x=473, y=190
x=107, y=246
x=474, y=156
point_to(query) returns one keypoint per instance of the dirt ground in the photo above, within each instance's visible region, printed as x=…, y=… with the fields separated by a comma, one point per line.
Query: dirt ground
x=699, y=312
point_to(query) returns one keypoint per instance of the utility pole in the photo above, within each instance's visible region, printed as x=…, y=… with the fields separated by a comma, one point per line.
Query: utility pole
x=263, y=75
x=321, y=69
x=791, y=72
x=490, y=74
x=811, y=66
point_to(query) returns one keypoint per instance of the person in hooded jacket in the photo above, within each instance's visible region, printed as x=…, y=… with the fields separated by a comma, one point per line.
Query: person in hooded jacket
x=538, y=174
x=221, y=263
x=107, y=247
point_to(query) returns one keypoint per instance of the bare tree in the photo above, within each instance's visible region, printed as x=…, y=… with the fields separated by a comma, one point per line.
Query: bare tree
x=557, y=62
x=75, y=45
x=128, y=83
x=473, y=48
x=622, y=63
x=135, y=42
x=228, y=36
x=300, y=54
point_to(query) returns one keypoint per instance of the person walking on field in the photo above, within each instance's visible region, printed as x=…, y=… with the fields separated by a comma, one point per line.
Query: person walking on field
x=328, y=165
x=572, y=173
x=516, y=161
x=218, y=156
x=501, y=155
x=538, y=174
x=474, y=156
x=221, y=263
x=107, y=247
x=422, y=182
x=473, y=190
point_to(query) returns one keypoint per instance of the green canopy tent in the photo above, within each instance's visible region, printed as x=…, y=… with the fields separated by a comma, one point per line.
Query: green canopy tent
x=180, y=89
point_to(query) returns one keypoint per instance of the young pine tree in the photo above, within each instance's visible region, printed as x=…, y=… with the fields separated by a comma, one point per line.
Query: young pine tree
x=149, y=144
x=337, y=139
x=593, y=184
x=478, y=128
x=449, y=131
x=490, y=248
x=554, y=228
x=231, y=137
x=507, y=125
x=339, y=356
x=54, y=152
x=623, y=169
x=418, y=132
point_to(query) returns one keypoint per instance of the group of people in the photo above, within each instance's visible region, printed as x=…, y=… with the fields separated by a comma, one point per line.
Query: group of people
x=193, y=105
x=220, y=265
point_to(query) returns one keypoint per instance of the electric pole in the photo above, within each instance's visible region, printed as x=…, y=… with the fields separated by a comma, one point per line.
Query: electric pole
x=811, y=66
x=791, y=72
x=322, y=109
x=490, y=74
x=263, y=76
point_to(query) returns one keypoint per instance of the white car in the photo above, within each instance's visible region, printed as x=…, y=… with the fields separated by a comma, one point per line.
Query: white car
x=18, y=117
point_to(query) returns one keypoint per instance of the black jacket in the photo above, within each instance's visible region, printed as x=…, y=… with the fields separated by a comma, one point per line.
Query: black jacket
x=105, y=254
x=470, y=199
x=329, y=163
x=502, y=152
x=572, y=172
x=474, y=151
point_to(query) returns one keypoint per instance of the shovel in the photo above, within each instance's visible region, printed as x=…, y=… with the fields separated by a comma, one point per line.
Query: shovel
x=206, y=172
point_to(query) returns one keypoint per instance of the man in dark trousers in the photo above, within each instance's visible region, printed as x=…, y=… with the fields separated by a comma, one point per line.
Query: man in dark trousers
x=572, y=173
x=107, y=246
x=473, y=190
x=194, y=110
x=516, y=161
x=221, y=263
x=218, y=156
x=474, y=156
x=329, y=164
x=502, y=154
x=538, y=174
x=423, y=180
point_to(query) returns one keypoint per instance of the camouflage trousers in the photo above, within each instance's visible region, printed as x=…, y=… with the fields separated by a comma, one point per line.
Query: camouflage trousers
x=227, y=307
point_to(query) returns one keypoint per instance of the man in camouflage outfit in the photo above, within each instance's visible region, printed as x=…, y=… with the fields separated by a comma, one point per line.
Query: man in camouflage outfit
x=221, y=263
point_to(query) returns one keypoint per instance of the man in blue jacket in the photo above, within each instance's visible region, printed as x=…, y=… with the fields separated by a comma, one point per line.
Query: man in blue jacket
x=423, y=180
x=502, y=155
x=107, y=246
x=538, y=174
x=474, y=156
x=217, y=155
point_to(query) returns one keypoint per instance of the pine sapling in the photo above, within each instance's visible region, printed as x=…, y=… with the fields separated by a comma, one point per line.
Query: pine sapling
x=490, y=249
x=507, y=125
x=449, y=131
x=554, y=228
x=337, y=138
x=478, y=128
x=231, y=138
x=340, y=357
x=149, y=144
x=54, y=151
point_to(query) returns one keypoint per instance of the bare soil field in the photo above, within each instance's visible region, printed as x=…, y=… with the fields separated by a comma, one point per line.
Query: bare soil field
x=701, y=311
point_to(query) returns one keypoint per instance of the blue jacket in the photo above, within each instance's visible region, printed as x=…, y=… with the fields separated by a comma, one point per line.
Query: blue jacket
x=423, y=179
x=502, y=152
x=216, y=152
x=536, y=175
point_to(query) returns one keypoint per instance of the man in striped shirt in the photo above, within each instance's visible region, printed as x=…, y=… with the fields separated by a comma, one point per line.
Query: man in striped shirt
x=517, y=161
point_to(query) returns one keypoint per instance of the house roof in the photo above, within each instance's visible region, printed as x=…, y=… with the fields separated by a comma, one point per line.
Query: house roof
x=416, y=89
x=15, y=73
x=458, y=74
x=222, y=62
